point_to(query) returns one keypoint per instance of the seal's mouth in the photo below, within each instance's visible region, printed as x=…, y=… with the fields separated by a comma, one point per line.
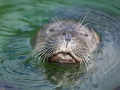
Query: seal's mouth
x=63, y=57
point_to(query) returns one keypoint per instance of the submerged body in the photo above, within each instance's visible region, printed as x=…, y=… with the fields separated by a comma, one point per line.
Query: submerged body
x=66, y=42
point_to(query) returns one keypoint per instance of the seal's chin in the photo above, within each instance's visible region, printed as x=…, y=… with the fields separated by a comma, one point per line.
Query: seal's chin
x=63, y=58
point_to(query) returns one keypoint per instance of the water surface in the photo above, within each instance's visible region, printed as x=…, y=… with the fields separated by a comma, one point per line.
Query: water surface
x=20, y=20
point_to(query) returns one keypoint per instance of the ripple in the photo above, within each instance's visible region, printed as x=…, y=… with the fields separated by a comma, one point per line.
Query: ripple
x=19, y=21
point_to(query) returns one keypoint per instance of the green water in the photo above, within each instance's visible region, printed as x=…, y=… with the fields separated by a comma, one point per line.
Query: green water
x=21, y=19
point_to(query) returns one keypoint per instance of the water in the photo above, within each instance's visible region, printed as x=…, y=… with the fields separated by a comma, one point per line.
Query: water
x=20, y=20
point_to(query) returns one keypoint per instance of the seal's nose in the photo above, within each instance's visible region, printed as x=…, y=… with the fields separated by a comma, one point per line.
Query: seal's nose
x=67, y=37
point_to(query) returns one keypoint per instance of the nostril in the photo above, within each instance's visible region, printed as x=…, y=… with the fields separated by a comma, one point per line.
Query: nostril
x=67, y=37
x=63, y=34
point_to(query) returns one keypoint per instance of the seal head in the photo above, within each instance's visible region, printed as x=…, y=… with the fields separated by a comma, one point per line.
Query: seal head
x=66, y=42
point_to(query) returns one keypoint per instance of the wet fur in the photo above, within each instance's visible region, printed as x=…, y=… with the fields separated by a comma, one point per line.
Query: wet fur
x=50, y=44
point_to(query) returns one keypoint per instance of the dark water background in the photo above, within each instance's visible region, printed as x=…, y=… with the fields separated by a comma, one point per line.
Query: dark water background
x=21, y=19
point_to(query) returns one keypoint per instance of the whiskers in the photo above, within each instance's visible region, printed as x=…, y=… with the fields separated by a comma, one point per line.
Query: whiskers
x=43, y=51
x=58, y=21
x=82, y=20
x=84, y=55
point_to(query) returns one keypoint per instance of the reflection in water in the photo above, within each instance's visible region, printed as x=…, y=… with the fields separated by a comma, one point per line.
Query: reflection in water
x=19, y=21
x=65, y=76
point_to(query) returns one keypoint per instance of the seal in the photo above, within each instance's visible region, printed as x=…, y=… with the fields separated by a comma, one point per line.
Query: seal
x=66, y=41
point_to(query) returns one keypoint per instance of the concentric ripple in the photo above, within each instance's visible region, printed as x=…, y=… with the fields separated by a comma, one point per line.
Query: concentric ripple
x=20, y=20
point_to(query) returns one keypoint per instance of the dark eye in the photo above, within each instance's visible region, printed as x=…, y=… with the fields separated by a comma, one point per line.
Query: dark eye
x=84, y=34
x=51, y=30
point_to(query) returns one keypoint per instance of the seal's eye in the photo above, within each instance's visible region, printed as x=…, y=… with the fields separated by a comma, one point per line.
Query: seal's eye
x=84, y=34
x=51, y=30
